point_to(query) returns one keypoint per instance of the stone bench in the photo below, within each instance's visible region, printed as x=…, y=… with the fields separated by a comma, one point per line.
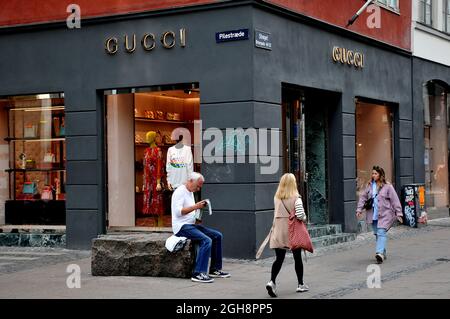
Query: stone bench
x=140, y=255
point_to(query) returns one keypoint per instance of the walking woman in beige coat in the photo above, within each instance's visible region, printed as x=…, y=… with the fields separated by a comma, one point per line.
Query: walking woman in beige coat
x=286, y=200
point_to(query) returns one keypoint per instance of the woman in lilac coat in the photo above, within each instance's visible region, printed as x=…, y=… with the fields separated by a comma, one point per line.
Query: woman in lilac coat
x=386, y=208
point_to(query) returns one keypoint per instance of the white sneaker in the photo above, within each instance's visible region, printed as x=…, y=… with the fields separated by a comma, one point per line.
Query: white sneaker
x=302, y=288
x=380, y=258
x=271, y=289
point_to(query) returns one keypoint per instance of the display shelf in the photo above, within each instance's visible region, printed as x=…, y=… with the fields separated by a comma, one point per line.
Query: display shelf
x=144, y=119
x=34, y=139
x=36, y=108
x=56, y=169
x=146, y=145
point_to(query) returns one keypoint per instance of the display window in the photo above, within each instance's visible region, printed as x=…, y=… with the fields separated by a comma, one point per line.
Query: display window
x=436, y=157
x=150, y=134
x=33, y=157
x=374, y=142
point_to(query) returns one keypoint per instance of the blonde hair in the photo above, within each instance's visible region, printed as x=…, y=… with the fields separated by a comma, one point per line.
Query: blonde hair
x=287, y=187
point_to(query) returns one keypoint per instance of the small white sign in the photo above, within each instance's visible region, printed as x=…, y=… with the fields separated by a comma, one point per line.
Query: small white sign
x=263, y=40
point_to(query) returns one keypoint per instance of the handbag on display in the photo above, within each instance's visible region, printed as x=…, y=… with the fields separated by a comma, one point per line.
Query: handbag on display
x=49, y=158
x=62, y=129
x=30, y=164
x=160, y=115
x=298, y=233
x=168, y=140
x=149, y=114
x=30, y=131
x=138, y=139
x=49, y=161
x=29, y=188
x=47, y=193
x=23, y=161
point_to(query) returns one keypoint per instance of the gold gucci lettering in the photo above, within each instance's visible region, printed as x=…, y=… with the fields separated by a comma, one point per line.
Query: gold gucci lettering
x=348, y=57
x=169, y=40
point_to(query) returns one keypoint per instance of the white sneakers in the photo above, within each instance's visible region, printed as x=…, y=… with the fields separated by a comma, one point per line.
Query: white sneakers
x=272, y=288
x=302, y=288
x=380, y=258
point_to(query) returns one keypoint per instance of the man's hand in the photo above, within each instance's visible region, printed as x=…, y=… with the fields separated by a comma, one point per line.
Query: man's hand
x=200, y=204
x=358, y=215
x=400, y=219
x=158, y=187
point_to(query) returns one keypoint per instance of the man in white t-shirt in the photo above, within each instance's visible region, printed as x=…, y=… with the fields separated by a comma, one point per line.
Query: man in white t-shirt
x=184, y=225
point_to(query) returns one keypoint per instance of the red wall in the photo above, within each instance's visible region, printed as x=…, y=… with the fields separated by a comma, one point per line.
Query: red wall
x=13, y=12
x=395, y=29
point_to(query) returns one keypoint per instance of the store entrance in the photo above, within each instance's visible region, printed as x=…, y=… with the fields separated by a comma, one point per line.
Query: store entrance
x=436, y=157
x=306, y=123
x=150, y=134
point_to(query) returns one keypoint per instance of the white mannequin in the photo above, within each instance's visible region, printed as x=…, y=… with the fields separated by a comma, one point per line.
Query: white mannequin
x=179, y=164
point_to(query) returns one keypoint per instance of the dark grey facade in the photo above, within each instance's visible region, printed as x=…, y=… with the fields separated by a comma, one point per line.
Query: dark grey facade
x=240, y=85
x=423, y=72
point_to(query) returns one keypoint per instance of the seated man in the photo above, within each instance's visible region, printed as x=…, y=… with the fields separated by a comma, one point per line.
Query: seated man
x=184, y=225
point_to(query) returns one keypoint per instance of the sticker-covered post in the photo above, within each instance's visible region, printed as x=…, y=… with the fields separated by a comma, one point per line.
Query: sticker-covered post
x=411, y=203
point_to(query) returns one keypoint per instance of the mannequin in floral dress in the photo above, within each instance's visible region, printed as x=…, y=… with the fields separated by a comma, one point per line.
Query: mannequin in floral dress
x=153, y=199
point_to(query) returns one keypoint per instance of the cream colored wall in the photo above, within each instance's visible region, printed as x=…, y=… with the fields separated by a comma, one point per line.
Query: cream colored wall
x=120, y=137
x=4, y=164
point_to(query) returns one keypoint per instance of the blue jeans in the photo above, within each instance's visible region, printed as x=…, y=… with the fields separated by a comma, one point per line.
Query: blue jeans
x=210, y=244
x=380, y=235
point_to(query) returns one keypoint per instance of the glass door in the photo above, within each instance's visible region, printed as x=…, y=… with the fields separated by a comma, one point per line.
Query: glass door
x=294, y=138
x=436, y=131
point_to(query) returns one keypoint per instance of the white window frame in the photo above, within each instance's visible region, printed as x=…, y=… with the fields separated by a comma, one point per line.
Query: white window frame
x=422, y=13
x=446, y=16
x=392, y=5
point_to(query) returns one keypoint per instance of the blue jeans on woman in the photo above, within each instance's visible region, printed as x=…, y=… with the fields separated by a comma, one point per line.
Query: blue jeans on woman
x=380, y=235
x=210, y=244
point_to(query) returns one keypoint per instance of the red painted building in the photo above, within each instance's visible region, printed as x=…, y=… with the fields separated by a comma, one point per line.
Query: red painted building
x=395, y=24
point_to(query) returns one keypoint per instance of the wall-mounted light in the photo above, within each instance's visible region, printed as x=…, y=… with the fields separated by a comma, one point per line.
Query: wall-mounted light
x=357, y=14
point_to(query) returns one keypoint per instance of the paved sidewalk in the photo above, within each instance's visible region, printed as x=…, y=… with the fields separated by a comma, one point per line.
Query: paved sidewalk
x=417, y=267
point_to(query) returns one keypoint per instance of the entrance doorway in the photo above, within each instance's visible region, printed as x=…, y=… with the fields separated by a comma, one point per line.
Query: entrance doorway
x=306, y=117
x=150, y=135
x=436, y=157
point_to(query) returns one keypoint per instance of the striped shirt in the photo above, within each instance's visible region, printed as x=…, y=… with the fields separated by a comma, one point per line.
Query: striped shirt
x=299, y=210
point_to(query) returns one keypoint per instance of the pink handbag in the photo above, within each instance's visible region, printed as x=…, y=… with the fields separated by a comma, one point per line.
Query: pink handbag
x=47, y=193
x=298, y=234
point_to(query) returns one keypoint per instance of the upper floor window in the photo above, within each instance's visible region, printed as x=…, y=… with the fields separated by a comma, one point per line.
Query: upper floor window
x=391, y=4
x=446, y=11
x=426, y=12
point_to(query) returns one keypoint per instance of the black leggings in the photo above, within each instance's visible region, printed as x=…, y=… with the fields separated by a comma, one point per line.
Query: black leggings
x=276, y=267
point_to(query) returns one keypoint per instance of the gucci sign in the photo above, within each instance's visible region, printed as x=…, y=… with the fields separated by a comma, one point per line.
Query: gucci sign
x=348, y=57
x=148, y=42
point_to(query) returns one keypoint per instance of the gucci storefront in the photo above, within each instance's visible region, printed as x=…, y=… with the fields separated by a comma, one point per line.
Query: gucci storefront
x=140, y=97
